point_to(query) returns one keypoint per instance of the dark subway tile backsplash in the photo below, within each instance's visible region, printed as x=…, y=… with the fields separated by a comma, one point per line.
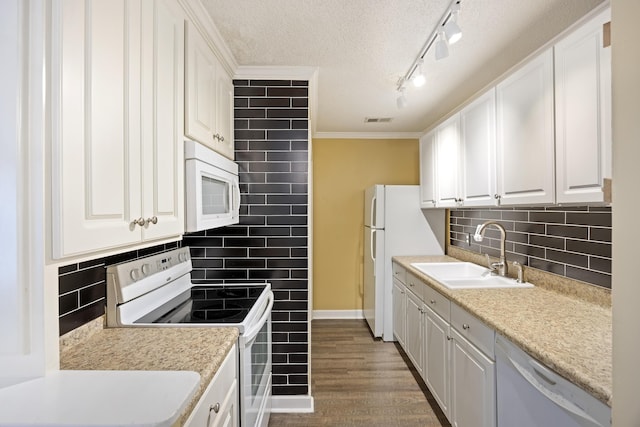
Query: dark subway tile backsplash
x=570, y=241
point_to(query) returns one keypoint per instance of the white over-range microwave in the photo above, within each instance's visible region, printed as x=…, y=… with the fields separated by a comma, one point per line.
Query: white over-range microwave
x=212, y=189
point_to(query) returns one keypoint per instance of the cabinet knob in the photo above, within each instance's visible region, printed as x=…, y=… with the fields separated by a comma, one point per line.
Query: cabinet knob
x=152, y=220
x=215, y=408
x=432, y=301
x=140, y=221
x=465, y=326
x=221, y=139
x=448, y=338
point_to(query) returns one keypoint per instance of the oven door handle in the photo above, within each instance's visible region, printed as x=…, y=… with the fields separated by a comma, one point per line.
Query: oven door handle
x=253, y=331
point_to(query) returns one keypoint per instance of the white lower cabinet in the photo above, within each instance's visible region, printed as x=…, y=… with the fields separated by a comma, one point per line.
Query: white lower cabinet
x=413, y=341
x=436, y=342
x=473, y=385
x=399, y=311
x=218, y=406
x=451, y=349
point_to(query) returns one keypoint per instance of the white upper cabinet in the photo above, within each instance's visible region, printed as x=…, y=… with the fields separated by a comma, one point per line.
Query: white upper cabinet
x=428, y=170
x=117, y=91
x=209, y=96
x=525, y=134
x=448, y=163
x=478, y=151
x=583, y=113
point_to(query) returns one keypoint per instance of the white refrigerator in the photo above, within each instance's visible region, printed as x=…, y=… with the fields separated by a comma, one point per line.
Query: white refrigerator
x=394, y=225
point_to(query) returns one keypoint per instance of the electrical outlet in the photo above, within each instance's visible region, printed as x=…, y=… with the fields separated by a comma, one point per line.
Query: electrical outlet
x=467, y=238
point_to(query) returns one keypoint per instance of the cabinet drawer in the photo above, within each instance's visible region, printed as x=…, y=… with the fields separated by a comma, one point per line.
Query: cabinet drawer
x=436, y=301
x=473, y=330
x=414, y=285
x=399, y=272
x=221, y=393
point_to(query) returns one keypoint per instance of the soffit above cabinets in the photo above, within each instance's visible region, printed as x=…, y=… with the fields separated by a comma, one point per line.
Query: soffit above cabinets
x=362, y=47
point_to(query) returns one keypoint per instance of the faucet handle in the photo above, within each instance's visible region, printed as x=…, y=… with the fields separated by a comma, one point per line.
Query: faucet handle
x=519, y=267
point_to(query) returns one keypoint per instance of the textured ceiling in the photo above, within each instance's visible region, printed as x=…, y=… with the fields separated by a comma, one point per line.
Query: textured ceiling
x=362, y=48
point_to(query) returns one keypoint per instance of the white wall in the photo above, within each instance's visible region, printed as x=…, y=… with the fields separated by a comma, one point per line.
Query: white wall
x=626, y=227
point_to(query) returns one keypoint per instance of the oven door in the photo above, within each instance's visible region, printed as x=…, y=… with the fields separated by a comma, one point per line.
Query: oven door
x=213, y=196
x=255, y=370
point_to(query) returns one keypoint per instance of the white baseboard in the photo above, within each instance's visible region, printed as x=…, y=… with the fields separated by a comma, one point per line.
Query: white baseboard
x=338, y=314
x=292, y=404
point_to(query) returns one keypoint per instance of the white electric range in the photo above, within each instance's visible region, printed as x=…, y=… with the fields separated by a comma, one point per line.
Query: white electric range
x=157, y=291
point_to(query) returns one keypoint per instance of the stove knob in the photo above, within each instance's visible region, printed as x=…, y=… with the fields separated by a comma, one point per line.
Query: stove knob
x=135, y=274
x=146, y=268
x=182, y=257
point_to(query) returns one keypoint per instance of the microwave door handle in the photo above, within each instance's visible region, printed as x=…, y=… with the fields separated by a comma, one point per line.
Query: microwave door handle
x=253, y=331
x=236, y=195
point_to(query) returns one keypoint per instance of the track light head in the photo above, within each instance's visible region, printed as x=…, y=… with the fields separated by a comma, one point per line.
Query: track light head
x=418, y=78
x=451, y=29
x=402, y=100
x=442, y=49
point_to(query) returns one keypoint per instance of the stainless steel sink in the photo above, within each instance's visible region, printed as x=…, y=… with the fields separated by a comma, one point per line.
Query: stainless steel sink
x=466, y=275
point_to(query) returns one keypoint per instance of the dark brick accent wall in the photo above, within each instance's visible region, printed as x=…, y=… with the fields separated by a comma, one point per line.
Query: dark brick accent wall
x=270, y=243
x=570, y=241
x=82, y=287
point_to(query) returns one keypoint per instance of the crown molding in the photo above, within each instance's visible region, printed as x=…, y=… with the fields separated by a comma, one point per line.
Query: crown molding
x=367, y=135
x=274, y=72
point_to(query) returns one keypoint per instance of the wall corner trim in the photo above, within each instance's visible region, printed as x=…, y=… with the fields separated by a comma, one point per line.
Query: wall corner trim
x=292, y=404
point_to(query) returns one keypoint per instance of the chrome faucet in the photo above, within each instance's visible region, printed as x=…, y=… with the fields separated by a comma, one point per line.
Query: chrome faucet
x=501, y=266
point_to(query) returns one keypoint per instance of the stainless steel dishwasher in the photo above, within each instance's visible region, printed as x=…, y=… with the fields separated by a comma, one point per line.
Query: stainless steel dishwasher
x=531, y=395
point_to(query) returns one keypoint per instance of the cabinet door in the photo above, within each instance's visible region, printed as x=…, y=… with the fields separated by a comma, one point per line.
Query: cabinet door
x=525, y=133
x=413, y=326
x=96, y=130
x=224, y=114
x=447, y=160
x=436, y=367
x=478, y=151
x=227, y=414
x=583, y=113
x=399, y=311
x=428, y=171
x=162, y=118
x=200, y=106
x=473, y=385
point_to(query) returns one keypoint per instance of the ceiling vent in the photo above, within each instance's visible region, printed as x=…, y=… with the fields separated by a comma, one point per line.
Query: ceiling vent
x=377, y=119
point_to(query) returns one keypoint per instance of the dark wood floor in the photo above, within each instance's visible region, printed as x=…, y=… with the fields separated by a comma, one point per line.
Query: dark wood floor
x=359, y=381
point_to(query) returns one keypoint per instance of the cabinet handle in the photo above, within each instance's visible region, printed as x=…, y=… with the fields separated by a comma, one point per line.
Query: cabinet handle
x=140, y=221
x=215, y=408
x=465, y=326
x=152, y=220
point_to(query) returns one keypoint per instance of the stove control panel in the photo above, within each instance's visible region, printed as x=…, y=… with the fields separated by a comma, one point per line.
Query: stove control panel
x=131, y=279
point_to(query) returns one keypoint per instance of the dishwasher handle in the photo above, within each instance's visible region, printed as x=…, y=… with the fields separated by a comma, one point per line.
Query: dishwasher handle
x=531, y=376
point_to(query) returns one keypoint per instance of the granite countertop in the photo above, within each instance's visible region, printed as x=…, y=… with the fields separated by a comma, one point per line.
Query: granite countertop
x=569, y=335
x=153, y=349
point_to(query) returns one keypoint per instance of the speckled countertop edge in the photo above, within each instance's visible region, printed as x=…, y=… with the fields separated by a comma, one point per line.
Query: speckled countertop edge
x=570, y=335
x=149, y=349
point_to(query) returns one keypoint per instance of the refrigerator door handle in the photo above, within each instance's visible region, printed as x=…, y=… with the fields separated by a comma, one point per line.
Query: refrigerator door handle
x=372, y=220
x=372, y=249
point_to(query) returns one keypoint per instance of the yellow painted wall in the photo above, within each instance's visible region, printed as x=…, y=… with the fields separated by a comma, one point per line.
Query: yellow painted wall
x=342, y=169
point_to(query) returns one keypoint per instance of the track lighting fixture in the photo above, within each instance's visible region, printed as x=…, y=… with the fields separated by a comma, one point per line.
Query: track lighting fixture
x=418, y=76
x=451, y=28
x=446, y=33
x=402, y=100
x=442, y=49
